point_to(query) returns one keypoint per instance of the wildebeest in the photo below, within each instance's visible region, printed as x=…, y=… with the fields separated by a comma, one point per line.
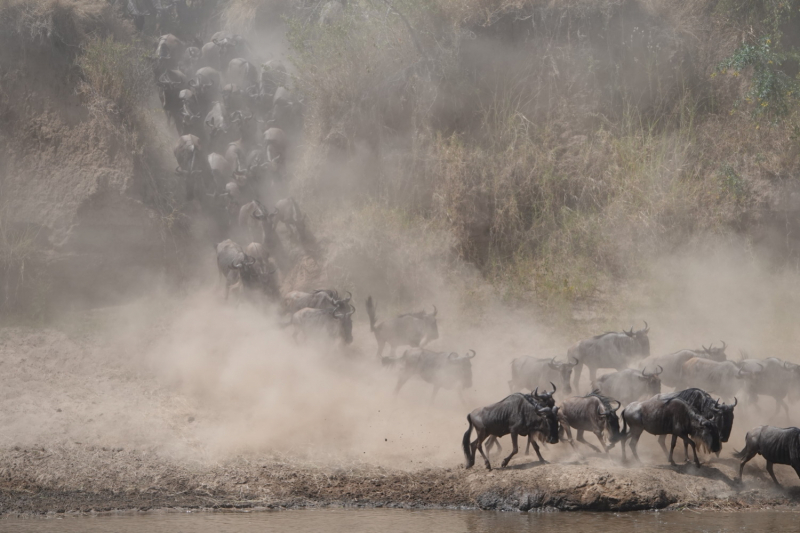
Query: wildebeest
x=219, y=129
x=776, y=445
x=517, y=414
x=273, y=75
x=206, y=84
x=268, y=273
x=221, y=171
x=443, y=370
x=244, y=74
x=288, y=212
x=529, y=372
x=169, y=51
x=326, y=324
x=768, y=377
x=629, y=385
x=191, y=117
x=542, y=399
x=251, y=221
x=410, y=329
x=668, y=417
x=191, y=163
x=319, y=299
x=275, y=142
x=673, y=362
x=239, y=269
x=593, y=412
x=170, y=84
x=609, y=350
x=723, y=378
x=720, y=413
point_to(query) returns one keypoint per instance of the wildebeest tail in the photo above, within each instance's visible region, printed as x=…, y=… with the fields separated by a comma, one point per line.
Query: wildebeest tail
x=740, y=455
x=624, y=425
x=465, y=444
x=371, y=308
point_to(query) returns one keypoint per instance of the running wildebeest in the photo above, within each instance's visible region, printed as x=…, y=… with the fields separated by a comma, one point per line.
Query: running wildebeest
x=723, y=378
x=319, y=299
x=288, y=212
x=529, y=372
x=776, y=445
x=266, y=269
x=721, y=414
x=329, y=324
x=542, y=399
x=409, y=329
x=609, y=350
x=169, y=51
x=517, y=414
x=593, y=412
x=239, y=269
x=443, y=370
x=629, y=385
x=668, y=417
x=768, y=377
x=191, y=164
x=673, y=362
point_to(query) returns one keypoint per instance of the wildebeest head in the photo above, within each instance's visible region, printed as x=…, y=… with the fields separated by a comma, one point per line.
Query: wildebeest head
x=343, y=315
x=545, y=398
x=565, y=371
x=550, y=416
x=723, y=418
x=641, y=339
x=716, y=354
x=460, y=368
x=653, y=381
x=707, y=435
x=609, y=416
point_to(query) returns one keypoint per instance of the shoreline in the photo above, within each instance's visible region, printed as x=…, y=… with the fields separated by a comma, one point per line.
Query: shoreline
x=131, y=481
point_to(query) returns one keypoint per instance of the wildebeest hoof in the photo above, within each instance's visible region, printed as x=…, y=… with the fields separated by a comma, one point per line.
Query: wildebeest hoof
x=505, y=463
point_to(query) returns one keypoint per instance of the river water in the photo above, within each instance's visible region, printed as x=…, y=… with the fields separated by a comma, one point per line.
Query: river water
x=398, y=521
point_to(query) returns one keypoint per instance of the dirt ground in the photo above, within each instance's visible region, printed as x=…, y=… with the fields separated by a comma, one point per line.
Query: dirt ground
x=91, y=425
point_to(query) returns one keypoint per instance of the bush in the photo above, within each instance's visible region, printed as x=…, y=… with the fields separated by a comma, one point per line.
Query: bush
x=116, y=71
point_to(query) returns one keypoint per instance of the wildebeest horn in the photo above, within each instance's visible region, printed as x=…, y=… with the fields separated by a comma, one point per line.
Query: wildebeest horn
x=643, y=374
x=717, y=404
x=434, y=310
x=707, y=350
x=352, y=310
x=619, y=404
x=193, y=83
x=723, y=345
x=576, y=361
x=473, y=354
x=554, y=388
x=735, y=401
x=453, y=355
x=536, y=392
x=349, y=296
x=660, y=370
x=646, y=327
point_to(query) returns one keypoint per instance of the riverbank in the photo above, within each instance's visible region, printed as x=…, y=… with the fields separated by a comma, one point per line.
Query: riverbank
x=86, y=479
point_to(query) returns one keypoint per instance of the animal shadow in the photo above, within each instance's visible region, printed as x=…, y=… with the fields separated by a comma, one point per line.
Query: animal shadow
x=705, y=471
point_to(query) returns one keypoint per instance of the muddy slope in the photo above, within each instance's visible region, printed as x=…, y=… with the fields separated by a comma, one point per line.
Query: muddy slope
x=95, y=480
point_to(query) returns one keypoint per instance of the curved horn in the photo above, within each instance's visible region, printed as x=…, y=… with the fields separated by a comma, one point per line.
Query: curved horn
x=352, y=310
x=576, y=361
x=434, y=310
x=716, y=405
x=554, y=388
x=707, y=350
x=536, y=392
x=643, y=374
x=723, y=345
x=619, y=404
x=348, y=297
x=473, y=354
x=735, y=401
x=646, y=327
x=660, y=370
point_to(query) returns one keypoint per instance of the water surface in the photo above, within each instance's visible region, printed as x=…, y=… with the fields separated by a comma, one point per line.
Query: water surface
x=395, y=520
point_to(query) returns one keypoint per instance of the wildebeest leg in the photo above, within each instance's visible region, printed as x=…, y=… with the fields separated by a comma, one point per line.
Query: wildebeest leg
x=749, y=455
x=694, y=450
x=771, y=473
x=599, y=435
x=672, y=448
x=380, y=348
x=401, y=380
x=514, y=450
x=577, y=371
x=592, y=375
x=579, y=438
x=635, y=434
x=662, y=441
x=536, y=449
x=479, y=445
x=433, y=396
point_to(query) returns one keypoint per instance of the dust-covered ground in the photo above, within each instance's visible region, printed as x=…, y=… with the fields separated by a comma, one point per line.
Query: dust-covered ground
x=182, y=400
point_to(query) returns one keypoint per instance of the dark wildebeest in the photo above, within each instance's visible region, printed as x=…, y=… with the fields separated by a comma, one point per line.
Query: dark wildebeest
x=244, y=74
x=273, y=75
x=222, y=172
x=723, y=378
x=629, y=385
x=329, y=324
x=169, y=51
x=593, y=412
x=443, y=370
x=721, y=414
x=319, y=299
x=517, y=414
x=191, y=164
x=275, y=143
x=239, y=269
x=191, y=117
x=673, y=362
x=529, y=372
x=768, y=377
x=776, y=445
x=609, y=350
x=251, y=222
x=206, y=84
x=190, y=61
x=410, y=329
x=220, y=130
x=170, y=84
x=285, y=111
x=542, y=399
x=267, y=271
x=668, y=417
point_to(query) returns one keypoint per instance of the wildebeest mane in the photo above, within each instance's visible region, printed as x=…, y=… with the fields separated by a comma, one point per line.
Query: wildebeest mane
x=604, y=334
x=605, y=400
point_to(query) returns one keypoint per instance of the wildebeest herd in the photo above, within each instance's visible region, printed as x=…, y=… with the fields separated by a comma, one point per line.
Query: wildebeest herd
x=234, y=121
x=627, y=402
